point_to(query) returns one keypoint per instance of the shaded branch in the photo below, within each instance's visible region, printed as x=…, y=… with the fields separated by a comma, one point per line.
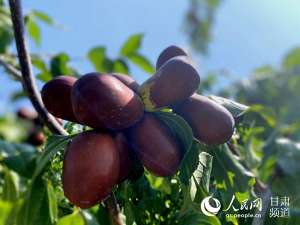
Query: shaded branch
x=30, y=88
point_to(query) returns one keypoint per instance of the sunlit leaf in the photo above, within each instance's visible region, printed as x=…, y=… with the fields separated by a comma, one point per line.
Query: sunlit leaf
x=33, y=30
x=131, y=45
x=75, y=218
x=43, y=17
x=54, y=144
x=235, y=108
x=100, y=61
x=292, y=59
x=142, y=62
x=120, y=66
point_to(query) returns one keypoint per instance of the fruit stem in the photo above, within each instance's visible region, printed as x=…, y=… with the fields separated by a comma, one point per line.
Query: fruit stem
x=113, y=209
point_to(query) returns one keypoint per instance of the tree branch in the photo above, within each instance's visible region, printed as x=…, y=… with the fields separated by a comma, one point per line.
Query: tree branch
x=28, y=81
x=11, y=70
x=31, y=90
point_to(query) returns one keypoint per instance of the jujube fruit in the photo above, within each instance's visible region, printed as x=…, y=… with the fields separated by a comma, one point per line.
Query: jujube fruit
x=155, y=146
x=90, y=168
x=124, y=156
x=169, y=53
x=103, y=101
x=27, y=113
x=175, y=81
x=36, y=138
x=211, y=122
x=56, y=95
x=127, y=80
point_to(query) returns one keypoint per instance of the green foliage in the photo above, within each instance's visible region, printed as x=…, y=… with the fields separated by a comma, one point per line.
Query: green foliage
x=198, y=21
x=129, y=52
x=132, y=45
x=32, y=26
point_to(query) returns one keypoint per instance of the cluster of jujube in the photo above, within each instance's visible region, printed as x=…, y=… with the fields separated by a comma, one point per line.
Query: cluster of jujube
x=125, y=129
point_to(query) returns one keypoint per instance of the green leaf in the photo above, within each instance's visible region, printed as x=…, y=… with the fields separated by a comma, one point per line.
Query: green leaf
x=266, y=113
x=6, y=32
x=141, y=62
x=288, y=156
x=179, y=128
x=292, y=59
x=236, y=109
x=39, y=64
x=100, y=61
x=33, y=30
x=42, y=17
x=128, y=207
x=10, y=190
x=54, y=144
x=35, y=209
x=120, y=66
x=5, y=211
x=132, y=44
x=203, y=171
x=52, y=201
x=75, y=218
x=59, y=65
x=89, y=218
x=18, y=157
x=159, y=183
x=229, y=173
x=189, y=163
x=44, y=74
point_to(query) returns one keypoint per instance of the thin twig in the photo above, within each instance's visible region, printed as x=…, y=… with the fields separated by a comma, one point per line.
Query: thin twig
x=30, y=88
x=113, y=210
x=28, y=81
x=11, y=70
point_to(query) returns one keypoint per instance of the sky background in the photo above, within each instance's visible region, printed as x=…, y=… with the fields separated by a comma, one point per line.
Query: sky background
x=246, y=34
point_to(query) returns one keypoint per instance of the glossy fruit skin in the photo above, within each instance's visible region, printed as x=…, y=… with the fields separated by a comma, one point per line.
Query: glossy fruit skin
x=211, y=122
x=124, y=156
x=168, y=53
x=90, y=168
x=155, y=146
x=174, y=82
x=102, y=101
x=127, y=80
x=56, y=95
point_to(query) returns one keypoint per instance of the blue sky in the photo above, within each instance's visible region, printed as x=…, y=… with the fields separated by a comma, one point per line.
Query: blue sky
x=246, y=34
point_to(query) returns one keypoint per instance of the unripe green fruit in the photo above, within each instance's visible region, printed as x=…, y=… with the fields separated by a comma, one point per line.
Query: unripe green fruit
x=56, y=95
x=175, y=81
x=169, y=53
x=127, y=80
x=103, y=101
x=155, y=146
x=90, y=168
x=211, y=122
